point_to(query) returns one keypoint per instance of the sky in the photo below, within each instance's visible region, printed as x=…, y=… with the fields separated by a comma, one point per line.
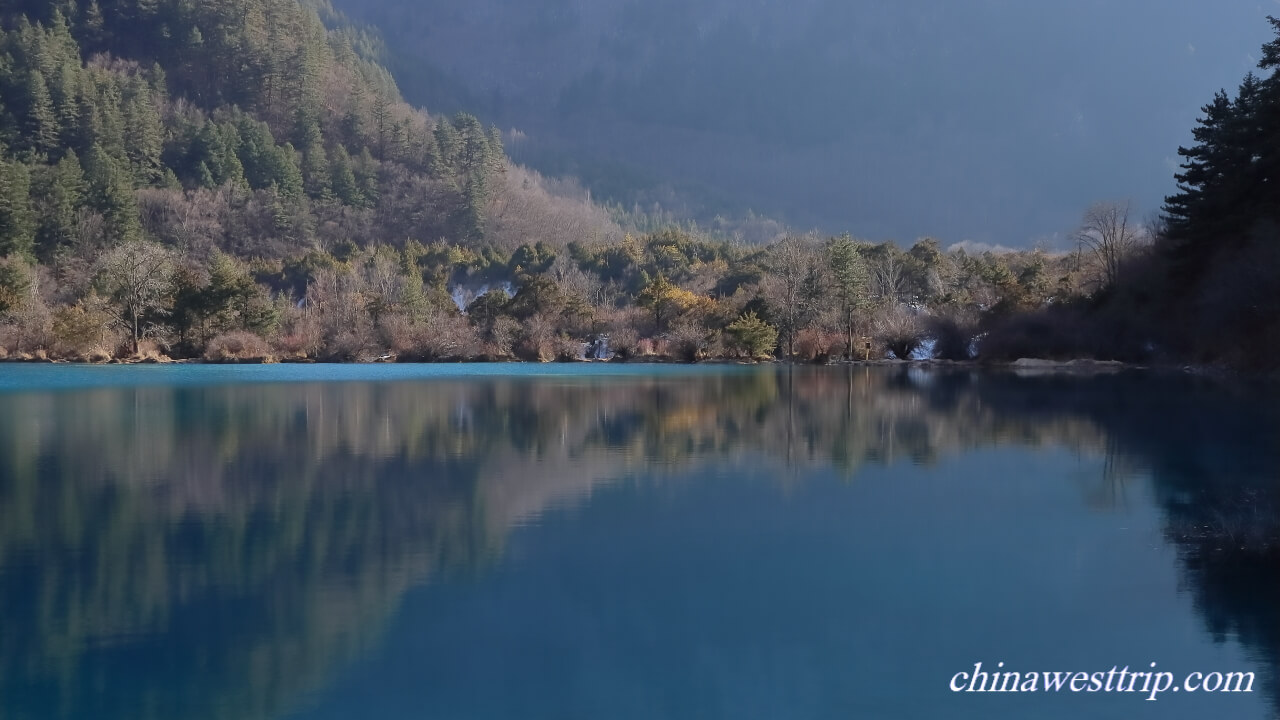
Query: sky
x=986, y=121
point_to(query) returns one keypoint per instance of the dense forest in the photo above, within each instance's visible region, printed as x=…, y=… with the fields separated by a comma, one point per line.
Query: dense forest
x=241, y=180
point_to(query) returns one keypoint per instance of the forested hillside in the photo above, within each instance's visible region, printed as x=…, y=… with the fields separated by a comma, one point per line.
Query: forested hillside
x=232, y=180
x=233, y=128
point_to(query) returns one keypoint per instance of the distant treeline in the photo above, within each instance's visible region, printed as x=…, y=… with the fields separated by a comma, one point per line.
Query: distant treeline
x=232, y=180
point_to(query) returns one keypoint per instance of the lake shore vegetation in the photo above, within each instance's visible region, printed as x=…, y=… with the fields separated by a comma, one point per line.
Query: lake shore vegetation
x=236, y=181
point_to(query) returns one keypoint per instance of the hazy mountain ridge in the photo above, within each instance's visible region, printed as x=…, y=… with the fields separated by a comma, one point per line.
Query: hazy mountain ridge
x=984, y=120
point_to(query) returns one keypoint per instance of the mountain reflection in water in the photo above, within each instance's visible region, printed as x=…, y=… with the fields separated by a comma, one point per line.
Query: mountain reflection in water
x=223, y=551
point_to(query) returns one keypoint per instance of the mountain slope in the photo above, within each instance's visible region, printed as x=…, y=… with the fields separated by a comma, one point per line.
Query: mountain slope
x=253, y=97
x=983, y=119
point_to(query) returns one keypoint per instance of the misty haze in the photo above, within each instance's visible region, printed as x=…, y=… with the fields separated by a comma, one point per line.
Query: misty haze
x=985, y=120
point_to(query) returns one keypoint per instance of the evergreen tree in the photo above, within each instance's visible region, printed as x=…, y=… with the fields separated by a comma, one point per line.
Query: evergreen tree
x=17, y=221
x=431, y=161
x=111, y=194
x=851, y=283
x=449, y=145
x=342, y=180
x=315, y=172
x=41, y=127
x=110, y=120
x=143, y=141
x=92, y=27
x=285, y=172
x=64, y=86
x=60, y=191
x=381, y=123
x=366, y=175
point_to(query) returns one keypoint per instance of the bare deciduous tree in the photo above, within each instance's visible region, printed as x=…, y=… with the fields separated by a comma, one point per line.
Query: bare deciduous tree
x=1110, y=236
x=794, y=285
x=888, y=272
x=136, y=276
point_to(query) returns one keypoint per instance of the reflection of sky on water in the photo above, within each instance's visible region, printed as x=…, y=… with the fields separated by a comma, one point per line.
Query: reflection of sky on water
x=726, y=543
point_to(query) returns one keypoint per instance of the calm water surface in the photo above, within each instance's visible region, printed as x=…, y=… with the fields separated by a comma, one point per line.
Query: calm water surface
x=627, y=542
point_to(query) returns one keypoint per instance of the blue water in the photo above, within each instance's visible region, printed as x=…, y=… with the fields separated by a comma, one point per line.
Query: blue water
x=603, y=541
x=20, y=377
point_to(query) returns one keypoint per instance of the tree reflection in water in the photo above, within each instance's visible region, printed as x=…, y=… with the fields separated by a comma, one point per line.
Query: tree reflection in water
x=221, y=551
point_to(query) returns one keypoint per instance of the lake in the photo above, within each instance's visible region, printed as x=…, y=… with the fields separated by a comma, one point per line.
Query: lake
x=616, y=541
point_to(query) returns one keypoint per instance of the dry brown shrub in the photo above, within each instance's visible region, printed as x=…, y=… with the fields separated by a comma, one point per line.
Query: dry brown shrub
x=301, y=338
x=238, y=346
x=95, y=354
x=348, y=346
x=816, y=345
x=688, y=340
x=81, y=331
x=899, y=330
x=567, y=349
x=149, y=351
x=438, y=336
x=539, y=341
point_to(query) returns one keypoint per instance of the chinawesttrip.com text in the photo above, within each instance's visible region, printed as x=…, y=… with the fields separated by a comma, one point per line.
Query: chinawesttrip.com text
x=1148, y=682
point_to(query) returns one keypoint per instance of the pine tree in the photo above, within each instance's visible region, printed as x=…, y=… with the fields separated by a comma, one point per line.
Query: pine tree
x=430, y=160
x=353, y=119
x=111, y=194
x=366, y=173
x=40, y=129
x=60, y=191
x=851, y=283
x=204, y=176
x=381, y=123
x=92, y=26
x=143, y=139
x=64, y=86
x=315, y=172
x=286, y=175
x=343, y=180
x=449, y=145
x=88, y=123
x=1220, y=187
x=109, y=118
x=17, y=221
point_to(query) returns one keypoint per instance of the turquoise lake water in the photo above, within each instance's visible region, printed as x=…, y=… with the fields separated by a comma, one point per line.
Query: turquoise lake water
x=613, y=541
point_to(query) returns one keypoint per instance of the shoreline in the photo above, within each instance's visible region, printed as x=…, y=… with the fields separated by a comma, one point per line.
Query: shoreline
x=1024, y=367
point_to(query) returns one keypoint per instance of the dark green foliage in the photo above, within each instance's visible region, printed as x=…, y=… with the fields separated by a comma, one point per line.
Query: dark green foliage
x=851, y=283
x=537, y=295
x=110, y=193
x=228, y=300
x=143, y=135
x=60, y=192
x=752, y=336
x=40, y=131
x=17, y=221
x=216, y=95
x=316, y=172
x=532, y=259
x=487, y=308
x=342, y=179
x=1221, y=228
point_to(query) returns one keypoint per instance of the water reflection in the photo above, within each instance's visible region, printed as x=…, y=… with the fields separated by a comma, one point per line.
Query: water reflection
x=221, y=552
